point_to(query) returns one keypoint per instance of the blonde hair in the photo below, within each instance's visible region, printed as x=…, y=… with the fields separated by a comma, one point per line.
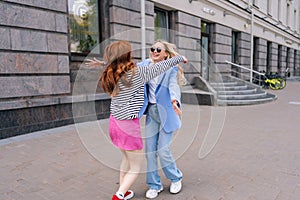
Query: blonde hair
x=171, y=50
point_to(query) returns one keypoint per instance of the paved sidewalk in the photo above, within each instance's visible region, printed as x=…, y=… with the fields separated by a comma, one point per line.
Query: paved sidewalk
x=257, y=156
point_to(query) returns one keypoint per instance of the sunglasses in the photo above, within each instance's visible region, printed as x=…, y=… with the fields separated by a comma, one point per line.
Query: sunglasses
x=158, y=49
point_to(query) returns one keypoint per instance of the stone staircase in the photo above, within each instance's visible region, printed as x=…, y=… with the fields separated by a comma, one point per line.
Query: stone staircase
x=233, y=91
x=230, y=91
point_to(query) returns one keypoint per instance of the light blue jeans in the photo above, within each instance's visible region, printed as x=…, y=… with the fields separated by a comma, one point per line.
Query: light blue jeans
x=157, y=145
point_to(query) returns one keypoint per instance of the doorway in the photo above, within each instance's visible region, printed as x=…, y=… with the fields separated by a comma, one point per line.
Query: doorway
x=205, y=50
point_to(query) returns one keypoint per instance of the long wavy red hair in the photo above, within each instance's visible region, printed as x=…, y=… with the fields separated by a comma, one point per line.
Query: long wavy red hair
x=118, y=58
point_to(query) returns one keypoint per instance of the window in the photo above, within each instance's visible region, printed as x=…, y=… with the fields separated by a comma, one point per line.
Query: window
x=279, y=10
x=269, y=7
x=295, y=65
x=254, y=2
x=84, y=25
x=205, y=28
x=255, y=53
x=234, y=53
x=295, y=20
x=161, y=23
x=269, y=57
x=287, y=59
x=288, y=15
x=205, y=50
x=234, y=47
x=279, y=55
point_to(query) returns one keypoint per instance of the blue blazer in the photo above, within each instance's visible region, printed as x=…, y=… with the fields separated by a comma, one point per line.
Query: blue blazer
x=167, y=89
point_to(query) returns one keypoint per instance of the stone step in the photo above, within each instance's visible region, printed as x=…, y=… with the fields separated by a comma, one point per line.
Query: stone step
x=217, y=84
x=231, y=92
x=234, y=92
x=237, y=92
x=230, y=88
x=236, y=102
x=258, y=94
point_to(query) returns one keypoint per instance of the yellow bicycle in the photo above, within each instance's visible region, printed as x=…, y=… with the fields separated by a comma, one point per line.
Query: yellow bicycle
x=275, y=81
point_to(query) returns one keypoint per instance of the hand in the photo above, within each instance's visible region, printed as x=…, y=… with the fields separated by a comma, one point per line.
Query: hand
x=176, y=108
x=94, y=62
x=185, y=60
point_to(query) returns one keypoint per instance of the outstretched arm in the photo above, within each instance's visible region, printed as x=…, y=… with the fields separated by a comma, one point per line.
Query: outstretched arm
x=153, y=70
x=94, y=62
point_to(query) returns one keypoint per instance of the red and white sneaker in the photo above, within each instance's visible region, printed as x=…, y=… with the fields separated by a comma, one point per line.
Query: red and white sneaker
x=115, y=197
x=128, y=195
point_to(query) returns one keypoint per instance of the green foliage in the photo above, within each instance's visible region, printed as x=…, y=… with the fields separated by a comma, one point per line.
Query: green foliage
x=87, y=44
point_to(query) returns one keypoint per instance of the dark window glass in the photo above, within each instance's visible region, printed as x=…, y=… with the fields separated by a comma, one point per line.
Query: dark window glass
x=205, y=51
x=204, y=27
x=269, y=56
x=234, y=48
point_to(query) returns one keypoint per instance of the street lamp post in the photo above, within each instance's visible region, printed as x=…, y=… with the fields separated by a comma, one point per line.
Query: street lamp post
x=250, y=5
x=143, y=30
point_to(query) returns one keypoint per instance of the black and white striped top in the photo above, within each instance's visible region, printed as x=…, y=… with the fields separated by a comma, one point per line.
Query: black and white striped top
x=128, y=102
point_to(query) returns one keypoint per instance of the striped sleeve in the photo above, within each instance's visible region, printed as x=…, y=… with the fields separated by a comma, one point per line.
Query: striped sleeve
x=153, y=70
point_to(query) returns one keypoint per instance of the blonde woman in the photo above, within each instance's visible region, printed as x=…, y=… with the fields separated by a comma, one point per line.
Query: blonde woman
x=162, y=109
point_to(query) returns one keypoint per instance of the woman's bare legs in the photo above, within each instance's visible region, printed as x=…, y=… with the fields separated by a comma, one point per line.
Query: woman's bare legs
x=132, y=161
x=124, y=167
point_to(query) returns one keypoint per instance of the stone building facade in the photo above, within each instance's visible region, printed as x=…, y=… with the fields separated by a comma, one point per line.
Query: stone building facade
x=43, y=45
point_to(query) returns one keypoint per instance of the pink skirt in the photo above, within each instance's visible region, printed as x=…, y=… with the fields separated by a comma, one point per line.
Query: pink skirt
x=125, y=134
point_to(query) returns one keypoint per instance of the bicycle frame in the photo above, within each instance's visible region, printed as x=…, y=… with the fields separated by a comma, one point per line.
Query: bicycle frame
x=273, y=83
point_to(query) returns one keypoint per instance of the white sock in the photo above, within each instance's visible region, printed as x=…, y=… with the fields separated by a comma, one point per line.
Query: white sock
x=120, y=195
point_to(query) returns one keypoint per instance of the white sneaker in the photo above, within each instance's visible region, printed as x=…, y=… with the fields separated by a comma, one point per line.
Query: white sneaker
x=152, y=193
x=175, y=187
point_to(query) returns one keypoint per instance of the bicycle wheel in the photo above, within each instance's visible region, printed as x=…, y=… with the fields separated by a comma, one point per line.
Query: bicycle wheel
x=282, y=83
x=275, y=84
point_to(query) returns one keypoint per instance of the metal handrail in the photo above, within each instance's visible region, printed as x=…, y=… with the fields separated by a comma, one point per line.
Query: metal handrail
x=251, y=70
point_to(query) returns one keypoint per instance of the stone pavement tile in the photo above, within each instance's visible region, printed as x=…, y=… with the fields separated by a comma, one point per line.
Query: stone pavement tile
x=253, y=190
x=296, y=193
x=10, y=195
